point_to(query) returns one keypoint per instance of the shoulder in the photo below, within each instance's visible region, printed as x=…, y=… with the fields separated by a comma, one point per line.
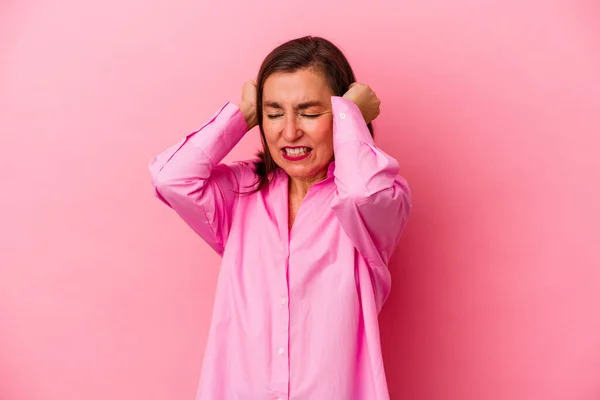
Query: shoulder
x=245, y=171
x=250, y=173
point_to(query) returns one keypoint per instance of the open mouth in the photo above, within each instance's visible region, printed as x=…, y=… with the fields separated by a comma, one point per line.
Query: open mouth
x=296, y=153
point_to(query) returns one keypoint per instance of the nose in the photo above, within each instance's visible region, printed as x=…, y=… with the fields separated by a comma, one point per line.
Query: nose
x=291, y=130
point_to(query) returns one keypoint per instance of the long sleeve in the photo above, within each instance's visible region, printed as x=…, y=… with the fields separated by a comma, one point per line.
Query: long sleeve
x=372, y=201
x=190, y=178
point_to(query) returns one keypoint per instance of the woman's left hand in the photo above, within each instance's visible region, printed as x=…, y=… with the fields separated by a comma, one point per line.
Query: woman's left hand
x=366, y=100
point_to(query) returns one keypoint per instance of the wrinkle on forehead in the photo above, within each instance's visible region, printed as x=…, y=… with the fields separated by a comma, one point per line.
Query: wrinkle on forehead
x=291, y=89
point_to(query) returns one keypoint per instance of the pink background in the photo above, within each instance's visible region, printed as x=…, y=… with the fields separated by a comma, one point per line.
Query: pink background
x=493, y=111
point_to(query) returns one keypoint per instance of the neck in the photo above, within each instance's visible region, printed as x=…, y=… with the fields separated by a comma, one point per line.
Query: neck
x=300, y=186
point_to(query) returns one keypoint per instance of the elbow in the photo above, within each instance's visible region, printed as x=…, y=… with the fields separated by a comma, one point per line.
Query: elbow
x=157, y=177
x=393, y=188
x=161, y=184
x=163, y=188
x=372, y=177
x=178, y=189
x=161, y=179
x=172, y=188
x=391, y=203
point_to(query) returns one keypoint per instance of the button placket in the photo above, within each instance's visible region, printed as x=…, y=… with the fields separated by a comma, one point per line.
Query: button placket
x=280, y=359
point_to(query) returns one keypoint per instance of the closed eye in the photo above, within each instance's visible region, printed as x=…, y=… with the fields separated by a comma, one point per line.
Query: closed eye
x=312, y=116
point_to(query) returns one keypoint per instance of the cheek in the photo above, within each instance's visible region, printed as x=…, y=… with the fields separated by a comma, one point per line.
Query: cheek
x=270, y=125
x=271, y=136
x=269, y=131
x=322, y=136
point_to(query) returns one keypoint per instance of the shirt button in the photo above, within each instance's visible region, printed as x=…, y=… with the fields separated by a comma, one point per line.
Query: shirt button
x=283, y=301
x=281, y=351
x=343, y=115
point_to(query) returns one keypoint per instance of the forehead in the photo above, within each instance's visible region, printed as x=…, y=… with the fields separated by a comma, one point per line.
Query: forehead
x=296, y=87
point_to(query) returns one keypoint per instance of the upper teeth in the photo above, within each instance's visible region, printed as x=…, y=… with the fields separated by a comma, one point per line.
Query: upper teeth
x=297, y=151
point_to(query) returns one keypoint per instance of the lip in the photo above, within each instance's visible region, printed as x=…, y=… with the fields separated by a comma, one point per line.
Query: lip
x=294, y=158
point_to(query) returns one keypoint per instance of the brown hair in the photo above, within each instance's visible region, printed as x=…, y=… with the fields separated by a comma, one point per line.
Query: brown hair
x=302, y=53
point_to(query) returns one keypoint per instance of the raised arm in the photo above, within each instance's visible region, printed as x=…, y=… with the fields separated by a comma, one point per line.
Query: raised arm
x=190, y=178
x=372, y=201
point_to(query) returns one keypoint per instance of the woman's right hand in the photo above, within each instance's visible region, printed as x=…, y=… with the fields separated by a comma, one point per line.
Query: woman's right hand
x=248, y=103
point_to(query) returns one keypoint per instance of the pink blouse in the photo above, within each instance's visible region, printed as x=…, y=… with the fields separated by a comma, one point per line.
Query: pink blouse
x=296, y=313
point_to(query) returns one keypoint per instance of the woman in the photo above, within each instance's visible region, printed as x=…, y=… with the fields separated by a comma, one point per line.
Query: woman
x=305, y=231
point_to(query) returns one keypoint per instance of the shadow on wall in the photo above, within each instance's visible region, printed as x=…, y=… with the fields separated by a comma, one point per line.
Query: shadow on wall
x=437, y=327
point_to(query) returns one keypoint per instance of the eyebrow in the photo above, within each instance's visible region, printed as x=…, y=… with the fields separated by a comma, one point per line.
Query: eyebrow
x=301, y=106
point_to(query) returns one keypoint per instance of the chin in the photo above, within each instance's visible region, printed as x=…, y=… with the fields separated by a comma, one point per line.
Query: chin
x=296, y=171
x=303, y=172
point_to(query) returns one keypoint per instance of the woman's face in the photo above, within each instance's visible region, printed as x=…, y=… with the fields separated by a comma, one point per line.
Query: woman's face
x=297, y=123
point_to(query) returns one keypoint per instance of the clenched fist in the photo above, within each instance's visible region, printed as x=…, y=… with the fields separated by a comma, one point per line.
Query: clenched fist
x=366, y=100
x=248, y=103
